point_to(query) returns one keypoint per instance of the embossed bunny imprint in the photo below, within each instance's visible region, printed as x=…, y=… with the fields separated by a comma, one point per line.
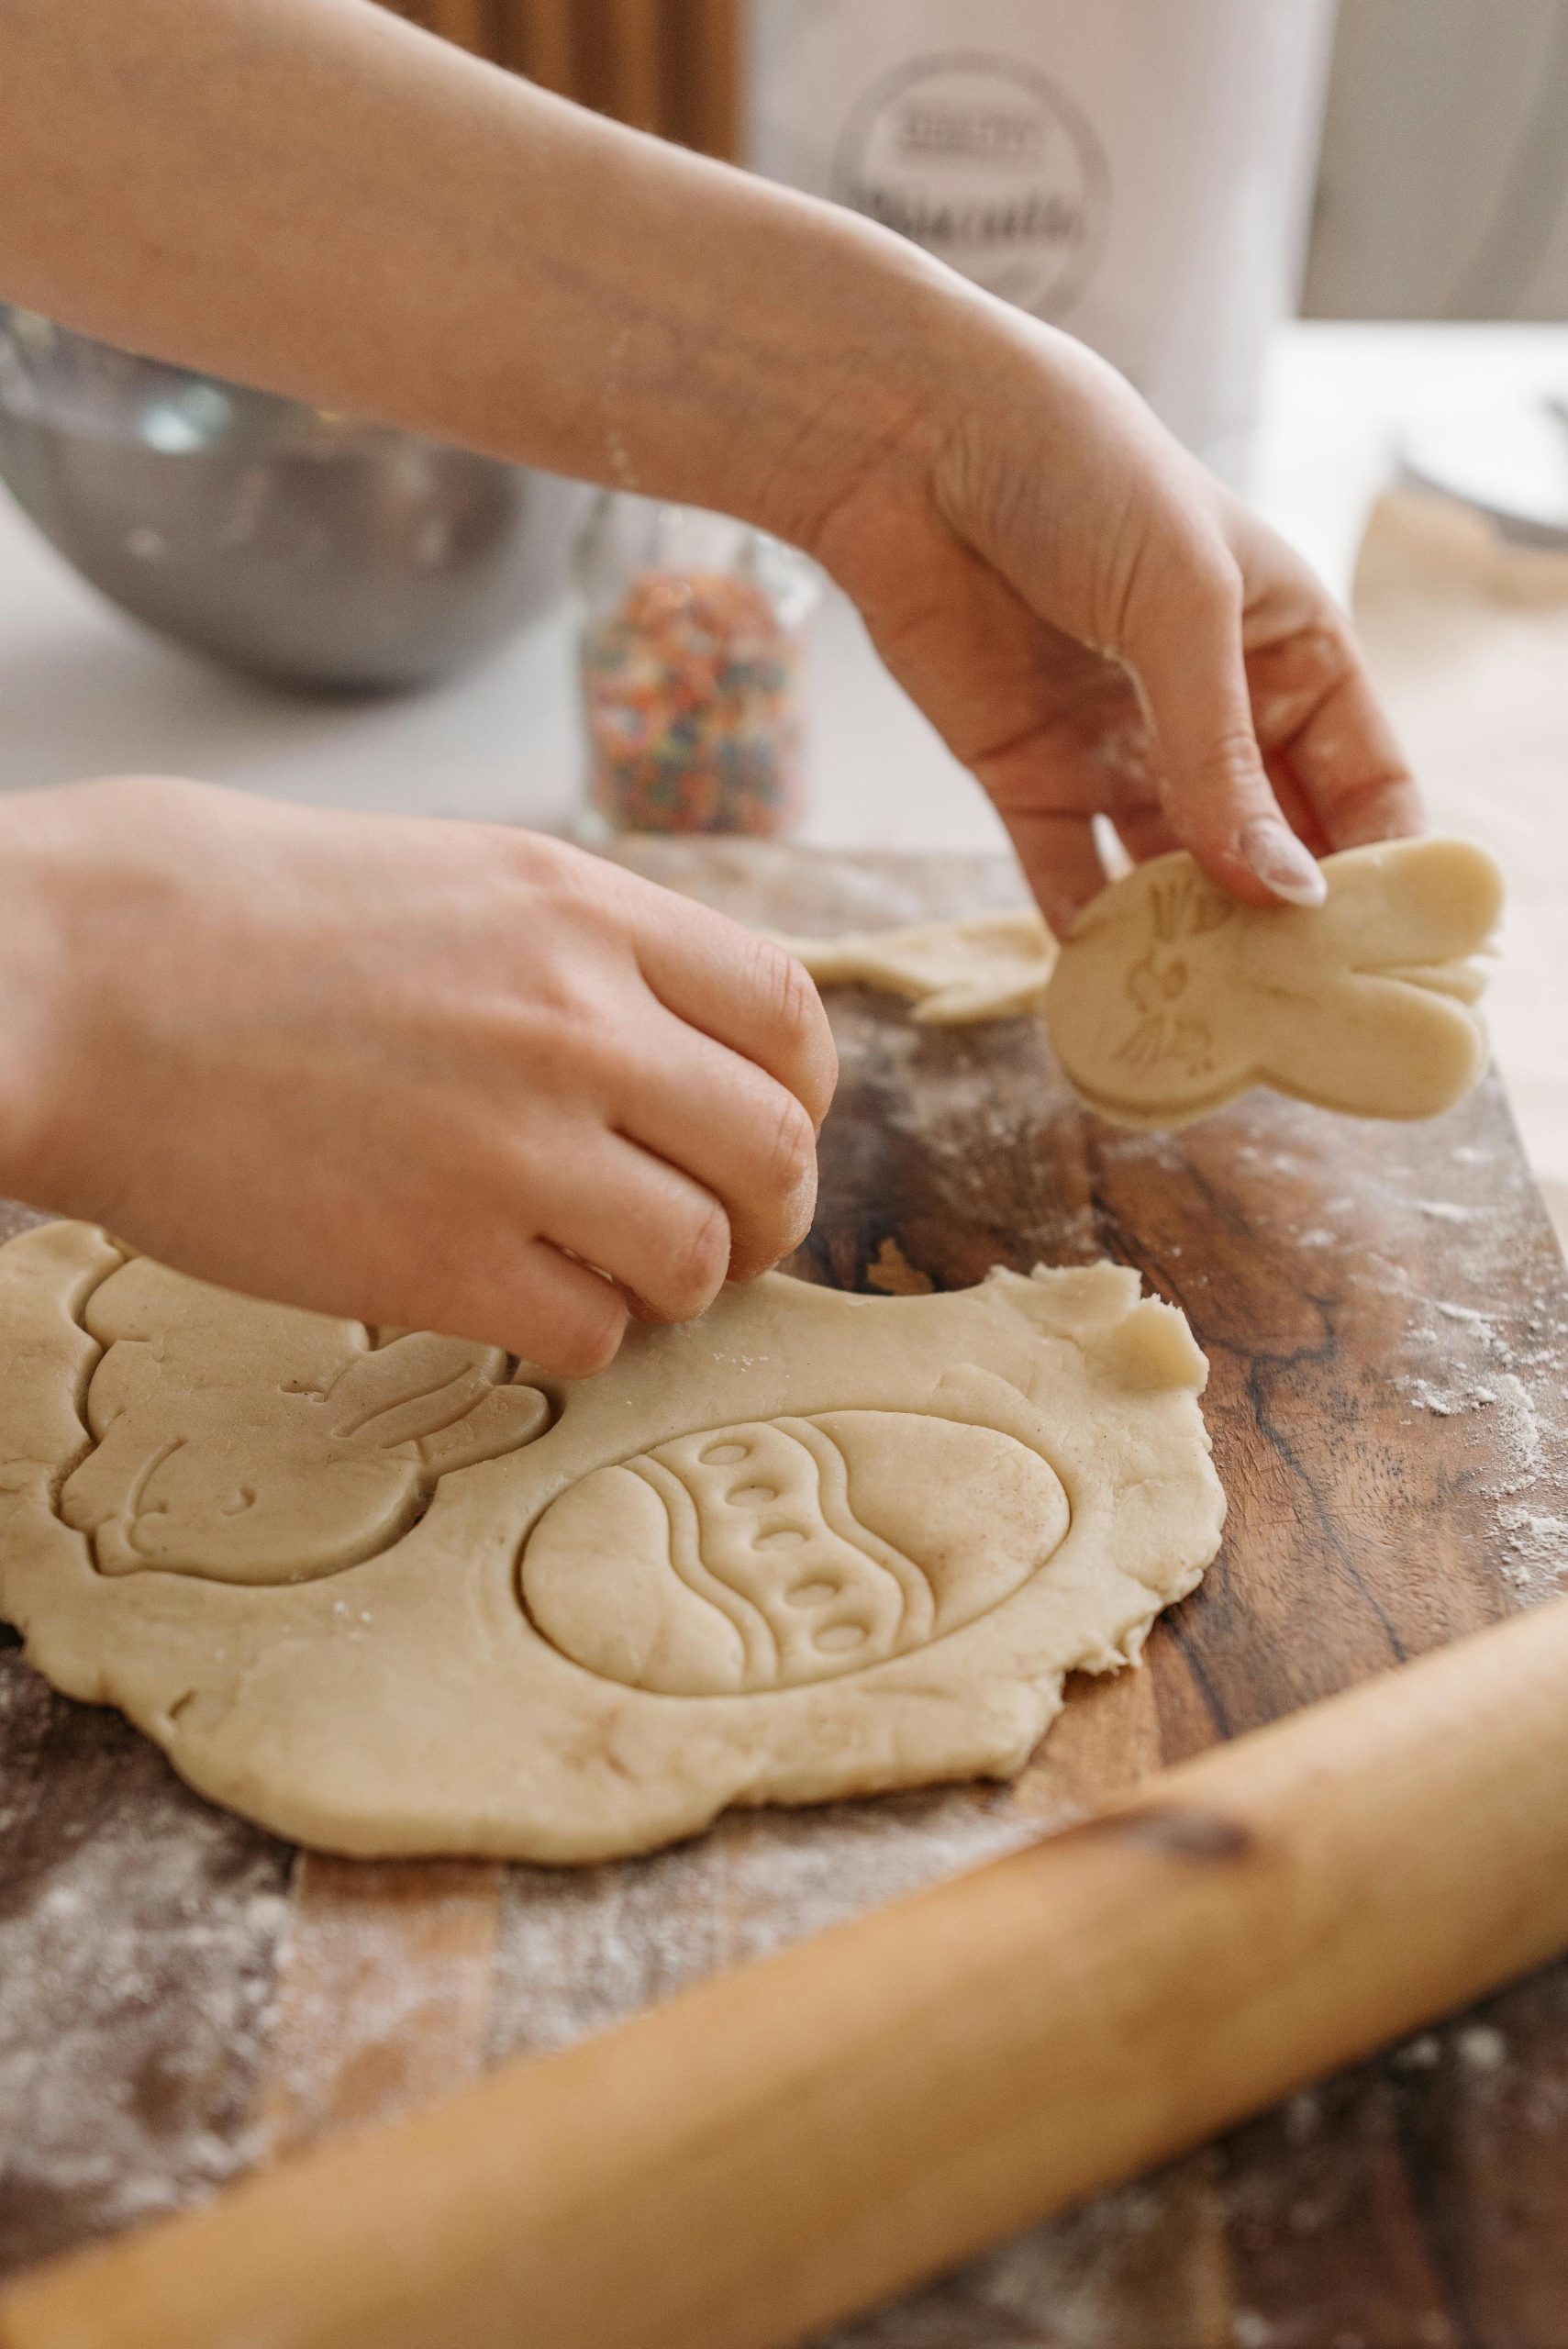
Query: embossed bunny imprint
x=1168, y=997
x=255, y=1443
x=386, y=1598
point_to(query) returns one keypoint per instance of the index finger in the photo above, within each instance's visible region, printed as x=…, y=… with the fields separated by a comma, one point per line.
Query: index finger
x=744, y=990
x=1345, y=758
x=1314, y=708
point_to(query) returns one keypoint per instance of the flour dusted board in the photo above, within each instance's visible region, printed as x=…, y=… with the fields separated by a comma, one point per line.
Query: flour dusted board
x=1385, y=1314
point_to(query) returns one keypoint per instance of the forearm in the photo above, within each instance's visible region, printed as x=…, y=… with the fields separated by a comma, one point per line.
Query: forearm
x=313, y=196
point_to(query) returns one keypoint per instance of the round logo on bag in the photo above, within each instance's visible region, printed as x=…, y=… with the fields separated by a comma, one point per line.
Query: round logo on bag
x=988, y=165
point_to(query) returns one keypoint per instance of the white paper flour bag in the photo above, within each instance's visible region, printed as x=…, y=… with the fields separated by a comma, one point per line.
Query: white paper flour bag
x=1137, y=171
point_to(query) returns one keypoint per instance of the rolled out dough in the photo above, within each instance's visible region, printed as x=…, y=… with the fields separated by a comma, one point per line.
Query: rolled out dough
x=988, y=967
x=1168, y=997
x=386, y=1598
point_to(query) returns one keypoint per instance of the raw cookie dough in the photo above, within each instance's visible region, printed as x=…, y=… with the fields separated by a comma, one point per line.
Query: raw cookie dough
x=380, y=1597
x=952, y=972
x=1170, y=998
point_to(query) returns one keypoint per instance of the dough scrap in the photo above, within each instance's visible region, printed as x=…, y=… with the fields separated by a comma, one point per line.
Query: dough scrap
x=991, y=967
x=1170, y=998
x=811, y=1546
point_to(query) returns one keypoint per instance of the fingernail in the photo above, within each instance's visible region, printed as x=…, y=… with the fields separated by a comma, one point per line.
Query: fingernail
x=1281, y=863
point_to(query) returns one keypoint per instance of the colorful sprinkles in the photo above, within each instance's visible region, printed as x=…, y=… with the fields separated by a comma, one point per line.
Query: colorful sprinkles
x=691, y=691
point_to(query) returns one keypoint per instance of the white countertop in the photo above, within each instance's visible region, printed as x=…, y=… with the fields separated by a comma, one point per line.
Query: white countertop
x=84, y=691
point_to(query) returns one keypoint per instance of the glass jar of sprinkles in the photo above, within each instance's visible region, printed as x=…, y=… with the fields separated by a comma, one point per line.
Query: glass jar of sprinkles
x=691, y=653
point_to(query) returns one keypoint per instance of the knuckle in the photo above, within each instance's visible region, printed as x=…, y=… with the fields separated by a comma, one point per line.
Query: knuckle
x=1226, y=782
x=798, y=1019
x=584, y=1336
x=1192, y=568
x=565, y=920
x=1233, y=761
x=584, y=1049
x=1324, y=647
x=698, y=1267
x=1217, y=575
x=790, y=1003
x=790, y=1157
x=542, y=862
x=565, y=1037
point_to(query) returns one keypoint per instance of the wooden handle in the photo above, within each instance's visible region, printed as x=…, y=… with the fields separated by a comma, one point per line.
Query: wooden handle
x=806, y=2135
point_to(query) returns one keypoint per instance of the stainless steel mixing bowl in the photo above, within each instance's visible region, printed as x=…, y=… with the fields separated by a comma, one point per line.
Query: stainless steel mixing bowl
x=305, y=545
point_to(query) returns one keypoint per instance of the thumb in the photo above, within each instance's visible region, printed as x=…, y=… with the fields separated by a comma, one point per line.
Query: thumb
x=1186, y=655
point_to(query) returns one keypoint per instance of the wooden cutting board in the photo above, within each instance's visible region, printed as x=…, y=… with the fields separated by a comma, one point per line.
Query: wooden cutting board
x=1386, y=1315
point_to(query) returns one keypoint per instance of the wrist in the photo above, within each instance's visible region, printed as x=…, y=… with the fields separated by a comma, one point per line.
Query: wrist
x=858, y=416
x=770, y=355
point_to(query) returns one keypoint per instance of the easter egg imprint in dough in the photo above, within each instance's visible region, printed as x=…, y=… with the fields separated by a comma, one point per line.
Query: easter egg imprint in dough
x=762, y=1556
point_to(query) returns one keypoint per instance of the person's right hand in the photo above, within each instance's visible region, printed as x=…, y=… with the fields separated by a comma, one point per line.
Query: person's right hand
x=425, y=1074
x=1098, y=630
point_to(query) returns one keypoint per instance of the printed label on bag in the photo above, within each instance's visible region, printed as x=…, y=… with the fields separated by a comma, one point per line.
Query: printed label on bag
x=990, y=166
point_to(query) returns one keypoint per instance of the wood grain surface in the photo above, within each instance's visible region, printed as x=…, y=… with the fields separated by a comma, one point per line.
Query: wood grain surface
x=1386, y=1316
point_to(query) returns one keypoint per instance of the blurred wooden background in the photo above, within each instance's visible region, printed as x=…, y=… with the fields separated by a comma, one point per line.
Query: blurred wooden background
x=666, y=65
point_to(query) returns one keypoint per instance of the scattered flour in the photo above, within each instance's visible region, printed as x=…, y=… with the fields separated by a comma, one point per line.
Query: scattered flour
x=1537, y=1544
x=137, y=1946
x=1444, y=1403
x=1482, y=2047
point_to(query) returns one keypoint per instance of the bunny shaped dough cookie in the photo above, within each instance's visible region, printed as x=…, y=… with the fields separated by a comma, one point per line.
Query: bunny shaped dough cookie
x=1170, y=998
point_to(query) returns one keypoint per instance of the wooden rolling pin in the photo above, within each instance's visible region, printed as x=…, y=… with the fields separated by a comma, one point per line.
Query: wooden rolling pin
x=807, y=2135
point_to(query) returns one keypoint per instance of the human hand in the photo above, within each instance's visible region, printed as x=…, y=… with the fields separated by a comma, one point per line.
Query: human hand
x=1092, y=622
x=1096, y=627
x=424, y=1075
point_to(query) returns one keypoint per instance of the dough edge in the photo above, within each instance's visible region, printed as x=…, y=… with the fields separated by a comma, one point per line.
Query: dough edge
x=406, y=1705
